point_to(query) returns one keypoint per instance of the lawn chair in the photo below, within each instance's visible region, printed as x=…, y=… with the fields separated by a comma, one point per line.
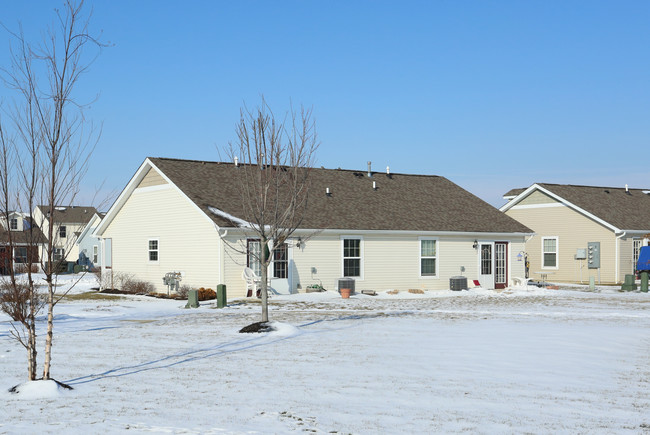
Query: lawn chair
x=476, y=283
x=252, y=282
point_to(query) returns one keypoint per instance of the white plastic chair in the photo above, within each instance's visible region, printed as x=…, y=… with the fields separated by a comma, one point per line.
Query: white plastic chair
x=253, y=282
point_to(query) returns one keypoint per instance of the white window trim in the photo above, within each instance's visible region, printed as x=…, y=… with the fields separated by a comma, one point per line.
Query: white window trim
x=557, y=253
x=361, y=261
x=65, y=228
x=95, y=254
x=437, y=257
x=11, y=227
x=150, y=250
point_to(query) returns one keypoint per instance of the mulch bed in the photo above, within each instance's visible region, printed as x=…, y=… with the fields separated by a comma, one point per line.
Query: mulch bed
x=257, y=327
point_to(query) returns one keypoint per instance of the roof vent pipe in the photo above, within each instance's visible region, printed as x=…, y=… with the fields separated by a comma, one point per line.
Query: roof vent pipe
x=327, y=191
x=374, y=185
x=627, y=190
x=236, y=161
x=387, y=170
x=369, y=169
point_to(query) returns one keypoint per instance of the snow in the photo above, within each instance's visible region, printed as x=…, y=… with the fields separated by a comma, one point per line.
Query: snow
x=479, y=361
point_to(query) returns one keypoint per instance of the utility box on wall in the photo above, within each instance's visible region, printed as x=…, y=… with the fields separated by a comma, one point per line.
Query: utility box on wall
x=593, y=255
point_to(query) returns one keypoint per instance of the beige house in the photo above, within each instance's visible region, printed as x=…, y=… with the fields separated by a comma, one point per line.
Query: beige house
x=385, y=231
x=69, y=222
x=581, y=231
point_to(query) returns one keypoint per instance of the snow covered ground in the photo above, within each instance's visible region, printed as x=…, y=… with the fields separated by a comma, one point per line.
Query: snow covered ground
x=478, y=361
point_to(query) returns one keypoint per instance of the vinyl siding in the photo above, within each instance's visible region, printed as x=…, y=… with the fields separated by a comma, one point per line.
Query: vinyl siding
x=537, y=197
x=153, y=178
x=574, y=231
x=188, y=241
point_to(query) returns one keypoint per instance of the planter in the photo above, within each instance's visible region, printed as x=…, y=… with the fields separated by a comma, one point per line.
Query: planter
x=345, y=293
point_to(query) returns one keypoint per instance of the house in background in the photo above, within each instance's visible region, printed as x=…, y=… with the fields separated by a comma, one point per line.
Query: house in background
x=26, y=238
x=88, y=244
x=386, y=231
x=68, y=224
x=581, y=231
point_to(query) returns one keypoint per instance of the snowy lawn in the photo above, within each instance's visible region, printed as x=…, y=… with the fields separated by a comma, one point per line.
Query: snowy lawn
x=478, y=361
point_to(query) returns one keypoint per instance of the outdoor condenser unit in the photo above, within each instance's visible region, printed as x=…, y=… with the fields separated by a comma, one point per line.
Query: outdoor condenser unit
x=346, y=283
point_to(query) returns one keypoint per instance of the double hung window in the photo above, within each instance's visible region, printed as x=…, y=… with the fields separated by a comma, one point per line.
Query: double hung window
x=352, y=259
x=428, y=257
x=549, y=252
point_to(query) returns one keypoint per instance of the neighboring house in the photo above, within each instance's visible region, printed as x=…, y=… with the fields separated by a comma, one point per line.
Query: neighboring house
x=566, y=218
x=68, y=224
x=88, y=244
x=411, y=231
x=26, y=238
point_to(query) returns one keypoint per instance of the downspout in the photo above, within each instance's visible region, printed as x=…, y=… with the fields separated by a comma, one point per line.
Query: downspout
x=222, y=256
x=618, y=238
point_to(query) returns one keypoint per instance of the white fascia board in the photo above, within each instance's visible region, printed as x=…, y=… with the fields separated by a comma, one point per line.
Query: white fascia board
x=475, y=234
x=563, y=201
x=87, y=228
x=122, y=198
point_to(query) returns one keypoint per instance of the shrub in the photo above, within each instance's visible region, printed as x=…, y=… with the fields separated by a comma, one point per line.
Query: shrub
x=183, y=291
x=23, y=267
x=137, y=287
x=206, y=294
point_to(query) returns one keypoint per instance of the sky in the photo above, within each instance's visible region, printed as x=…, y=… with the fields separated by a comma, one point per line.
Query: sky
x=492, y=95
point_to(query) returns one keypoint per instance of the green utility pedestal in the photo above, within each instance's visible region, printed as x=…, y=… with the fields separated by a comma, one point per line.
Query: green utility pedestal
x=644, y=282
x=592, y=283
x=629, y=284
x=192, y=299
x=222, y=300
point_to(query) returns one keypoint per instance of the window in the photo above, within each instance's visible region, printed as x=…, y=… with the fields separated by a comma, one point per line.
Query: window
x=549, y=252
x=20, y=253
x=253, y=254
x=57, y=254
x=95, y=254
x=428, y=257
x=13, y=224
x=153, y=250
x=352, y=257
x=281, y=262
x=636, y=243
x=62, y=231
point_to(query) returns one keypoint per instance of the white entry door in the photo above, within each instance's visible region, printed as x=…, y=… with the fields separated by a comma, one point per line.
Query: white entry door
x=486, y=264
x=280, y=270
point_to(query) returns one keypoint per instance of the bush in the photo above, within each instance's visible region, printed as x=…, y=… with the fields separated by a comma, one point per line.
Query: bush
x=23, y=267
x=205, y=294
x=183, y=291
x=137, y=287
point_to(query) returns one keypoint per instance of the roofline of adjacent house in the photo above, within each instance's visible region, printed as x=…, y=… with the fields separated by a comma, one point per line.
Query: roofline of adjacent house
x=87, y=227
x=569, y=204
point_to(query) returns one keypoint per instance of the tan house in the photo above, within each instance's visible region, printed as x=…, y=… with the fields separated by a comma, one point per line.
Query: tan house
x=385, y=231
x=69, y=222
x=581, y=231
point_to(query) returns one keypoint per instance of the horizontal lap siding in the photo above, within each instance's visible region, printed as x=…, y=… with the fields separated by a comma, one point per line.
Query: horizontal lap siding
x=188, y=242
x=574, y=231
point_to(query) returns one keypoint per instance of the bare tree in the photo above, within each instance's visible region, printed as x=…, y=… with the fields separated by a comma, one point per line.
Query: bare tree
x=273, y=178
x=57, y=141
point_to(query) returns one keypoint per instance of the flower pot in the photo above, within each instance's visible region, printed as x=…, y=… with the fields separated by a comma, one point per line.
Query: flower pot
x=345, y=293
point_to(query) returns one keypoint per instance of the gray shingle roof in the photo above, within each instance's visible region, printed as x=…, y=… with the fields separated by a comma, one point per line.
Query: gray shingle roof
x=401, y=201
x=75, y=214
x=624, y=210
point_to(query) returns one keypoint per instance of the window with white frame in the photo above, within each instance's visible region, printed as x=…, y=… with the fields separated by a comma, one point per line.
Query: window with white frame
x=352, y=257
x=62, y=231
x=253, y=255
x=13, y=224
x=549, y=252
x=20, y=254
x=57, y=255
x=636, y=243
x=95, y=254
x=428, y=257
x=153, y=250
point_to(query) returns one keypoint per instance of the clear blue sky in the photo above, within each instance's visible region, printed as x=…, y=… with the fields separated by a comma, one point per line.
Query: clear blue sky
x=490, y=94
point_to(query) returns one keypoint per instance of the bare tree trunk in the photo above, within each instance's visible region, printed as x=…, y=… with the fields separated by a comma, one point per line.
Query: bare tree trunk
x=265, y=280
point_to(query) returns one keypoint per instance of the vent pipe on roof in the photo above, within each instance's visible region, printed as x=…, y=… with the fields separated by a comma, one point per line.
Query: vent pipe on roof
x=627, y=190
x=369, y=168
x=236, y=161
x=327, y=192
x=387, y=170
x=374, y=185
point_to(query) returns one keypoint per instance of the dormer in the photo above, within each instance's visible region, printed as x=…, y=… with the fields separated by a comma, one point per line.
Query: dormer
x=15, y=223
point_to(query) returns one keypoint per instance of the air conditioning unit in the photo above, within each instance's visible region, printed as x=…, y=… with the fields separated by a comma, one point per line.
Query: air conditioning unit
x=346, y=283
